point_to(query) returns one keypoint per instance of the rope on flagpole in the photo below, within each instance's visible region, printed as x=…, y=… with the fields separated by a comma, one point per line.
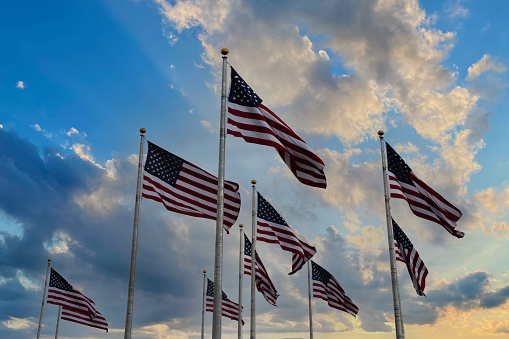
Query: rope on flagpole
x=134, y=246
x=218, y=263
x=43, y=298
x=309, y=298
x=253, y=263
x=398, y=319
x=241, y=273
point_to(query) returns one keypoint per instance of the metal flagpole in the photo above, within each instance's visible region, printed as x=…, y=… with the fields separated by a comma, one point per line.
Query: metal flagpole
x=398, y=319
x=203, y=306
x=218, y=266
x=241, y=273
x=134, y=248
x=253, y=263
x=58, y=320
x=310, y=311
x=43, y=297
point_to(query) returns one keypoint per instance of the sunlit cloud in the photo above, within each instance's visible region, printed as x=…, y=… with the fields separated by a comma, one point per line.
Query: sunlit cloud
x=20, y=85
x=19, y=323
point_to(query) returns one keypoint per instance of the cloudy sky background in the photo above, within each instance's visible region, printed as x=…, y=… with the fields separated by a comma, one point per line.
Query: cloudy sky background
x=78, y=80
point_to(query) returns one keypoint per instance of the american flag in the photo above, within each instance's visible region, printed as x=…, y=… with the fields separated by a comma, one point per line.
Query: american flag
x=272, y=228
x=185, y=188
x=326, y=287
x=262, y=280
x=75, y=306
x=422, y=199
x=229, y=308
x=257, y=124
x=405, y=252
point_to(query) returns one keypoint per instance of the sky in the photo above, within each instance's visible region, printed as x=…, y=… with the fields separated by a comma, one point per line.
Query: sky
x=78, y=79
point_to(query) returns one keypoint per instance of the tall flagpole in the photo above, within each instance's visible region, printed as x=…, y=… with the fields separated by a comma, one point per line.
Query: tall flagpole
x=310, y=311
x=218, y=266
x=134, y=248
x=58, y=320
x=241, y=273
x=43, y=297
x=203, y=306
x=253, y=264
x=398, y=319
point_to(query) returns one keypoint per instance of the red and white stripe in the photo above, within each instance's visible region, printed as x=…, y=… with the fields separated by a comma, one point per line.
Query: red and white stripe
x=426, y=202
x=98, y=321
x=262, y=280
x=259, y=125
x=334, y=295
x=229, y=308
x=415, y=266
x=74, y=301
x=283, y=235
x=194, y=194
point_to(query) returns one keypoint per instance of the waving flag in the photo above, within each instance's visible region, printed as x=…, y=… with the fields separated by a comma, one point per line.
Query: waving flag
x=75, y=306
x=229, y=308
x=326, y=287
x=262, y=280
x=185, y=188
x=249, y=119
x=405, y=252
x=272, y=228
x=422, y=199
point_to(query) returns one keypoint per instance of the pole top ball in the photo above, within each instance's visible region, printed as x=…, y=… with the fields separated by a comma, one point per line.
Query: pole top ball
x=204, y=271
x=225, y=51
x=253, y=182
x=142, y=130
x=240, y=225
x=49, y=259
x=380, y=132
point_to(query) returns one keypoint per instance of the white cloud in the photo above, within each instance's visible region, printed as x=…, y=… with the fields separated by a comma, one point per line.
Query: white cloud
x=1, y=126
x=191, y=111
x=43, y=131
x=207, y=125
x=84, y=152
x=19, y=323
x=72, y=131
x=26, y=282
x=484, y=65
x=20, y=84
x=456, y=10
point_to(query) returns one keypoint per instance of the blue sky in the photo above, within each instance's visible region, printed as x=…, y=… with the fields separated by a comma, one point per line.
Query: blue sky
x=79, y=79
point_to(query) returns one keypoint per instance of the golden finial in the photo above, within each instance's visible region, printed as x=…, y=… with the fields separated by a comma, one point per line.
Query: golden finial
x=225, y=51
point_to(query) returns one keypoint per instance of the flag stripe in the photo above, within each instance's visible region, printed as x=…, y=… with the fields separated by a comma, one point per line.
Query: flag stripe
x=184, y=188
x=98, y=322
x=249, y=119
x=76, y=307
x=423, y=201
x=406, y=253
x=327, y=288
x=262, y=280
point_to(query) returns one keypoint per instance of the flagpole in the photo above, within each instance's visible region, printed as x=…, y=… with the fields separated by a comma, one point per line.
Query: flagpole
x=398, y=319
x=218, y=266
x=253, y=263
x=58, y=320
x=134, y=248
x=241, y=273
x=203, y=306
x=310, y=311
x=43, y=297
